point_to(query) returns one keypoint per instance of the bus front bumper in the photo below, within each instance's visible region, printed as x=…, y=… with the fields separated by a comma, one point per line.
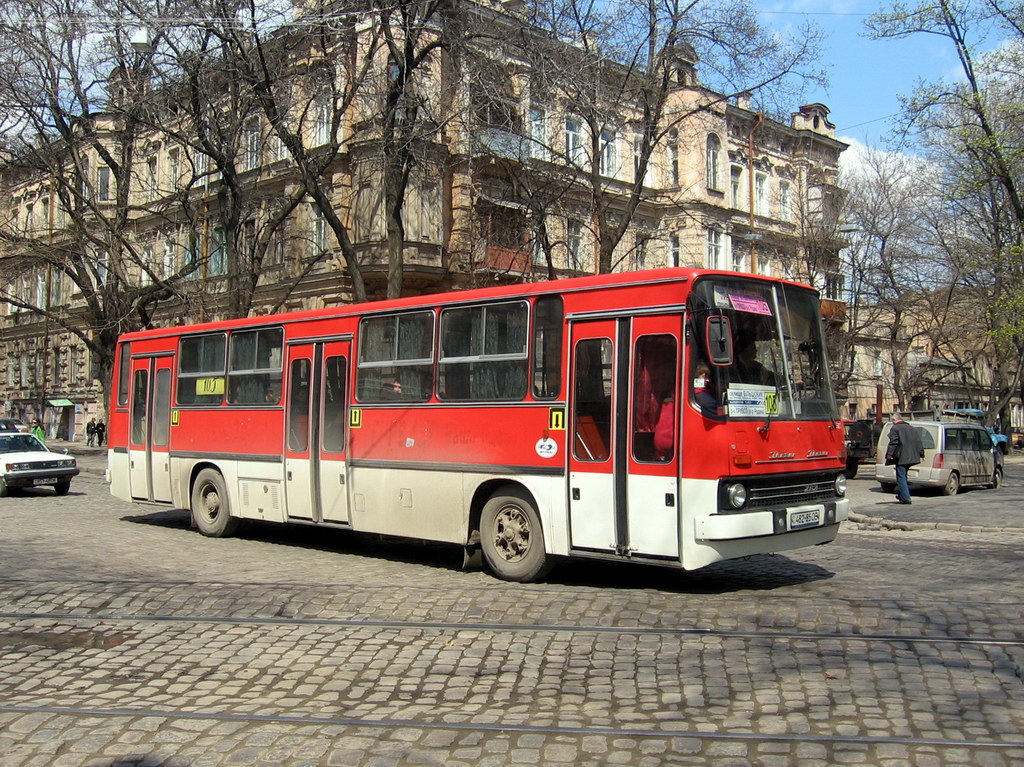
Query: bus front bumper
x=753, y=524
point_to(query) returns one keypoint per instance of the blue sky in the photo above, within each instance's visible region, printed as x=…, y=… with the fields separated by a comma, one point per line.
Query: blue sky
x=866, y=76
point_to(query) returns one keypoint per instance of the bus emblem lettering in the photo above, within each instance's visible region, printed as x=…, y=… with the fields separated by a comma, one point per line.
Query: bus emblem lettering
x=556, y=419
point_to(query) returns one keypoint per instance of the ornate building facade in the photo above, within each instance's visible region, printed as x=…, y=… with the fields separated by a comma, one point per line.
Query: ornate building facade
x=507, y=177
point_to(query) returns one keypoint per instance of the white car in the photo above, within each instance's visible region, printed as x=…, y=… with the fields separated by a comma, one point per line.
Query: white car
x=27, y=462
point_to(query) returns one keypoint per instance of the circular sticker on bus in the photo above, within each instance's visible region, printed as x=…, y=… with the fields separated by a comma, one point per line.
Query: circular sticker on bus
x=547, y=447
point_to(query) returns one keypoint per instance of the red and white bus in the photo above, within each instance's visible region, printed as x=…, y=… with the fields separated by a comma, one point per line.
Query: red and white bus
x=675, y=416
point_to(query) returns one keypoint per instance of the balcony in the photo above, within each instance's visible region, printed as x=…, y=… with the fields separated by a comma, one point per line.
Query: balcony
x=503, y=143
x=834, y=311
x=500, y=258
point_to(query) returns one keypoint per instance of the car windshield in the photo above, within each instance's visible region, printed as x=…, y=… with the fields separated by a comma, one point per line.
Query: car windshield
x=20, y=443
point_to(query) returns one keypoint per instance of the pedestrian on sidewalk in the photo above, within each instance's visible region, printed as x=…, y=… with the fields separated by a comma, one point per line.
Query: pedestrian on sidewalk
x=90, y=432
x=904, y=450
x=101, y=431
x=38, y=431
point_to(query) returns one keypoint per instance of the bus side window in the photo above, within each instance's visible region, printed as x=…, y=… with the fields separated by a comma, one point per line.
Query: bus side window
x=298, y=406
x=334, y=405
x=654, y=398
x=547, y=347
x=592, y=409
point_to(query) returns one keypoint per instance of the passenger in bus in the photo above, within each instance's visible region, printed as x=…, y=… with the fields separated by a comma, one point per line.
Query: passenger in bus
x=391, y=390
x=703, y=392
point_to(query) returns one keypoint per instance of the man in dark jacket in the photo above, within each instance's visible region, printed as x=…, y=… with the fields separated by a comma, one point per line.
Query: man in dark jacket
x=904, y=451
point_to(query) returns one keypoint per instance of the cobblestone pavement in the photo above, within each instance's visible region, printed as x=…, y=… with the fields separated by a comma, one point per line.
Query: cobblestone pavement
x=128, y=639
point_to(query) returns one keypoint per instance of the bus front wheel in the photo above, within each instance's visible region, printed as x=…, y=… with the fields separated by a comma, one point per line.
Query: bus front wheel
x=512, y=539
x=210, y=505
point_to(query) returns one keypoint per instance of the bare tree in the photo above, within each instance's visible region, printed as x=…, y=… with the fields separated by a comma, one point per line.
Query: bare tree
x=78, y=107
x=617, y=67
x=971, y=130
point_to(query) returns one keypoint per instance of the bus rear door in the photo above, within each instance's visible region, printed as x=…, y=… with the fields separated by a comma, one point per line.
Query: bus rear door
x=149, y=473
x=623, y=487
x=315, y=438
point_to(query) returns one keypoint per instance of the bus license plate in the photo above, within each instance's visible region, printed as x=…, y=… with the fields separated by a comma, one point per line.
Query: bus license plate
x=45, y=481
x=804, y=518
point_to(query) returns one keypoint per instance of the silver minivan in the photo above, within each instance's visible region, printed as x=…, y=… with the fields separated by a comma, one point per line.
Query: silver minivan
x=955, y=454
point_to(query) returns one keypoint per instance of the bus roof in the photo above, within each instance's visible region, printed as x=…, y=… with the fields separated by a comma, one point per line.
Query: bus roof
x=515, y=290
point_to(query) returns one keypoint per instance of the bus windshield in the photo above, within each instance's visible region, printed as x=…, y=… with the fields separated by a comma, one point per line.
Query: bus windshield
x=779, y=366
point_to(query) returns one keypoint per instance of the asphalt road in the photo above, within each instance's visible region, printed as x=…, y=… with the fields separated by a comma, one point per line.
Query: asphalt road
x=128, y=639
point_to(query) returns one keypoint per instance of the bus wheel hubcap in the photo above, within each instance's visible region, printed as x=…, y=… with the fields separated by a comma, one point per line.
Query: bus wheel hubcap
x=512, y=533
x=211, y=503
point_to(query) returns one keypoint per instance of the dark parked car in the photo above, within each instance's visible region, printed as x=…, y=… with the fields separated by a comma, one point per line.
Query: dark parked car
x=13, y=424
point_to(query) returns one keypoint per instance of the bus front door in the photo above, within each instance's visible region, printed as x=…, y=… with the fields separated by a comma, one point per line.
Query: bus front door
x=316, y=434
x=149, y=468
x=624, y=454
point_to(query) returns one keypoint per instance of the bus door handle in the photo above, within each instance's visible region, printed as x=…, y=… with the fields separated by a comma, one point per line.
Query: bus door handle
x=289, y=476
x=575, y=493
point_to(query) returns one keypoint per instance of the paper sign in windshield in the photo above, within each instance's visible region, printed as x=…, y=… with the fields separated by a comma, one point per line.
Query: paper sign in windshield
x=753, y=401
x=749, y=304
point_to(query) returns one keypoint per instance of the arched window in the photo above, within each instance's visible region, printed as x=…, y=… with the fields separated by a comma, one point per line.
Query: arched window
x=714, y=152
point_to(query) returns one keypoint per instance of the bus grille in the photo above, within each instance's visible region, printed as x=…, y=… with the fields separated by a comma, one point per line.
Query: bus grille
x=792, y=491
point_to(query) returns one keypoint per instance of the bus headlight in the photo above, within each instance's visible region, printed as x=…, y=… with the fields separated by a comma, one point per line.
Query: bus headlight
x=736, y=494
x=841, y=485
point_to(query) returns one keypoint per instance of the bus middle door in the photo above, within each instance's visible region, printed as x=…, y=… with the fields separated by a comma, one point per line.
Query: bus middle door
x=149, y=474
x=315, y=434
x=624, y=455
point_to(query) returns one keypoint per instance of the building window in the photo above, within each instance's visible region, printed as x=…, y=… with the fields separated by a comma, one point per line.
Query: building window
x=835, y=286
x=640, y=252
x=168, y=265
x=251, y=156
x=609, y=163
x=785, y=201
x=573, y=140
x=538, y=134
x=319, y=231
x=736, y=187
x=103, y=184
x=638, y=150
x=174, y=168
x=761, y=194
x=716, y=249
x=147, y=264
x=574, y=245
x=322, y=127
x=218, y=253
x=151, y=179
x=675, y=253
x=673, y=158
x=714, y=152
x=739, y=261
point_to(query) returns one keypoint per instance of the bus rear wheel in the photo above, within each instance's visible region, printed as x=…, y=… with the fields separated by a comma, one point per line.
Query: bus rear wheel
x=210, y=505
x=512, y=539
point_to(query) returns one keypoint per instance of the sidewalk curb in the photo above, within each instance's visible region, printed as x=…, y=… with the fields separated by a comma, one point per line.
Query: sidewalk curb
x=891, y=524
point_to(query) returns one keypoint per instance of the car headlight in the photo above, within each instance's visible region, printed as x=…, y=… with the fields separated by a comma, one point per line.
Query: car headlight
x=736, y=495
x=841, y=485
x=19, y=466
x=68, y=463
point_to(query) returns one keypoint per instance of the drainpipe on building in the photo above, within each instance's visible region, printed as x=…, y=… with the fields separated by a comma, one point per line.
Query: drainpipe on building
x=758, y=121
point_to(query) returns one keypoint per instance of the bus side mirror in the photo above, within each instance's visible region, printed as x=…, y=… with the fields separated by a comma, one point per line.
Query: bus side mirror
x=719, y=340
